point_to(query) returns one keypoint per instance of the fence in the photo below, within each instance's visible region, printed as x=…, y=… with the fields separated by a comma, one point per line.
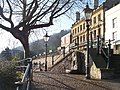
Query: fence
x=25, y=83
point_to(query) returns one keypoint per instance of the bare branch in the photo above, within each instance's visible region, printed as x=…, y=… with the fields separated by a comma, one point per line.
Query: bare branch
x=17, y=3
x=61, y=7
x=40, y=25
x=5, y=28
x=11, y=11
x=55, y=7
x=33, y=11
x=30, y=7
x=7, y=19
x=63, y=12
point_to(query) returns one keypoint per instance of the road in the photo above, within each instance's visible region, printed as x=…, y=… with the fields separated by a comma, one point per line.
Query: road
x=52, y=81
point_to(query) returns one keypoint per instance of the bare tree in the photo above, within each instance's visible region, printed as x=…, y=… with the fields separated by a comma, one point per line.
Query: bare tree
x=22, y=16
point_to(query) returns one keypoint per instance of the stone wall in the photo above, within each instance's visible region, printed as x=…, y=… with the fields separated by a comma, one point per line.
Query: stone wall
x=41, y=59
x=95, y=72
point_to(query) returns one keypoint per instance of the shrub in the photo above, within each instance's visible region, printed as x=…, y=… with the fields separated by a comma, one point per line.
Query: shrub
x=7, y=75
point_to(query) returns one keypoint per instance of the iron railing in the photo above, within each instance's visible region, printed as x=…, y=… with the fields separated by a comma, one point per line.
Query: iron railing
x=25, y=83
x=64, y=53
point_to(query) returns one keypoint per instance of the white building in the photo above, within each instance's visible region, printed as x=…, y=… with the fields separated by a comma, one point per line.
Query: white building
x=65, y=42
x=112, y=24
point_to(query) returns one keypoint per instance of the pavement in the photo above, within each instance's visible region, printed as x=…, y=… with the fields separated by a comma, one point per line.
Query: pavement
x=55, y=81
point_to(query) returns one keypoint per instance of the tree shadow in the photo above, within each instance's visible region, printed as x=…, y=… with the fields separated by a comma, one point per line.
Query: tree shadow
x=62, y=86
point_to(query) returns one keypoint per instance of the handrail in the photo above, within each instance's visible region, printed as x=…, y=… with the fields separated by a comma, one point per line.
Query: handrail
x=104, y=53
x=62, y=54
x=24, y=84
x=102, y=48
x=107, y=56
x=62, y=59
x=58, y=57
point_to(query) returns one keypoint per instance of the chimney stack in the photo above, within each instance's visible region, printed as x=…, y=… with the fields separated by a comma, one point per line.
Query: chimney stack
x=77, y=16
x=96, y=3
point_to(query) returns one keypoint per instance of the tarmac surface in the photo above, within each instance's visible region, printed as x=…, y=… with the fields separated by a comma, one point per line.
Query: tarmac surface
x=52, y=81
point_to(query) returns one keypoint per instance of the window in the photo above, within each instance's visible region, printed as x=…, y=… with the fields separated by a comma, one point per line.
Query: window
x=99, y=17
x=114, y=35
x=94, y=20
x=77, y=39
x=75, y=30
x=80, y=27
x=114, y=22
x=116, y=47
x=80, y=38
x=73, y=63
x=84, y=26
x=99, y=32
x=83, y=38
x=91, y=36
x=94, y=34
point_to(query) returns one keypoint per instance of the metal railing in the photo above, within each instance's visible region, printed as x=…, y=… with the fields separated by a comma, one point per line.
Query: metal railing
x=108, y=54
x=63, y=54
x=25, y=83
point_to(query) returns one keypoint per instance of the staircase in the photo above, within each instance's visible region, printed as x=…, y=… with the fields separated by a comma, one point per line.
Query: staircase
x=115, y=64
x=62, y=65
x=109, y=66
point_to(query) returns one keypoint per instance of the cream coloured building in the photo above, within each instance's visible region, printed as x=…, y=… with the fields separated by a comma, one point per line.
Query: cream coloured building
x=97, y=27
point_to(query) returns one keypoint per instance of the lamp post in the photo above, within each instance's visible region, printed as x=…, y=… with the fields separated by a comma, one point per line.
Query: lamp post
x=88, y=13
x=46, y=38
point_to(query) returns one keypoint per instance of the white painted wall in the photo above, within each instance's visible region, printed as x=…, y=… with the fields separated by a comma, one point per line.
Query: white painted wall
x=109, y=16
x=65, y=41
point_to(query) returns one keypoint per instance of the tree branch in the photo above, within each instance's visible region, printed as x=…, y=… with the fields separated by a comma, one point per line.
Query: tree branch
x=63, y=12
x=42, y=25
x=61, y=7
x=45, y=12
x=55, y=7
x=5, y=28
x=33, y=11
x=7, y=19
x=12, y=25
x=30, y=7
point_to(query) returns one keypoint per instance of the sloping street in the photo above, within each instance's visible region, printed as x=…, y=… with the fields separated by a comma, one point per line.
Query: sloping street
x=52, y=81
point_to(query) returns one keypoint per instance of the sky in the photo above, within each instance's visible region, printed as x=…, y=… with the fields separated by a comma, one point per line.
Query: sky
x=61, y=23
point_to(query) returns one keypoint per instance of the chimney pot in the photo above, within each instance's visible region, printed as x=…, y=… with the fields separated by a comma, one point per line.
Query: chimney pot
x=77, y=16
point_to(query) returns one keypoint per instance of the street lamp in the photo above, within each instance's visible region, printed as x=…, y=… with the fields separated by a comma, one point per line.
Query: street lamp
x=88, y=13
x=46, y=38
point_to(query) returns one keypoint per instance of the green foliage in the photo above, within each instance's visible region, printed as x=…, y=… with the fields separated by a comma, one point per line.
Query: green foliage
x=7, y=75
x=6, y=54
x=9, y=54
x=15, y=58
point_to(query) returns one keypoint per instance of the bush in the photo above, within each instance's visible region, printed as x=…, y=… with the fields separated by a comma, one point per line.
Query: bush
x=7, y=75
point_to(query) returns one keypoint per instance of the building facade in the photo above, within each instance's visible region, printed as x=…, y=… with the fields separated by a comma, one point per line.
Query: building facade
x=78, y=31
x=112, y=24
x=65, y=41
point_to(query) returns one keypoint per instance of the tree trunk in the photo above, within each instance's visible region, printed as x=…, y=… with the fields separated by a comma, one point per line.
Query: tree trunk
x=25, y=43
x=23, y=37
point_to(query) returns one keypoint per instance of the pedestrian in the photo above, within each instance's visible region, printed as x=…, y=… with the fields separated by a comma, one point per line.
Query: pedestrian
x=40, y=66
